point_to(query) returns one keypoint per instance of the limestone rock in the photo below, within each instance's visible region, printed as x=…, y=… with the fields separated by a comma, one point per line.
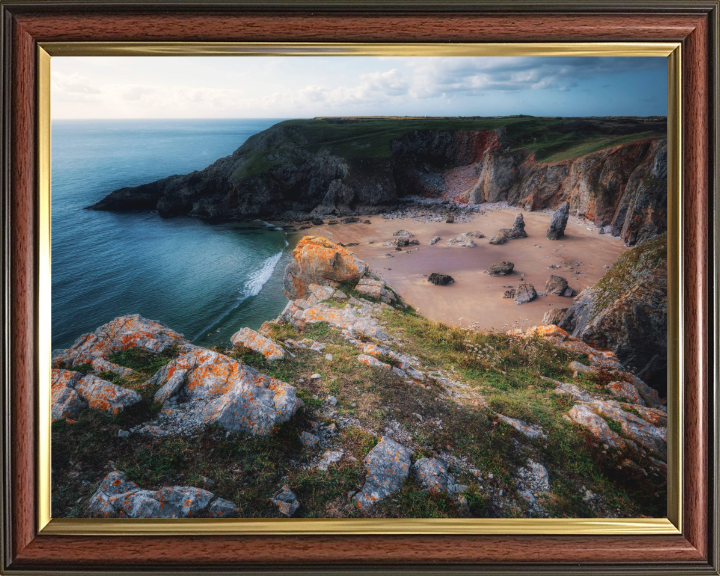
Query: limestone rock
x=375, y=289
x=316, y=260
x=554, y=316
x=118, y=497
x=434, y=240
x=122, y=333
x=529, y=430
x=627, y=391
x=286, y=502
x=330, y=457
x=374, y=362
x=106, y=396
x=431, y=474
x=251, y=339
x=221, y=508
x=202, y=386
x=585, y=417
x=439, y=279
x=387, y=465
x=558, y=222
x=525, y=293
x=308, y=440
x=501, y=268
x=66, y=402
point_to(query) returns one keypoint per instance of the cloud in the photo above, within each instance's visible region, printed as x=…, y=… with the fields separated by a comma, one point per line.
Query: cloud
x=73, y=84
x=434, y=77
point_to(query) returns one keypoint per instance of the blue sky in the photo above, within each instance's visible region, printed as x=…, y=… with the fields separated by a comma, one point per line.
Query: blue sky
x=303, y=87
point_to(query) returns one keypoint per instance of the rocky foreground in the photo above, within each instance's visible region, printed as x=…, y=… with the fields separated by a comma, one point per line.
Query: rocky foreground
x=351, y=404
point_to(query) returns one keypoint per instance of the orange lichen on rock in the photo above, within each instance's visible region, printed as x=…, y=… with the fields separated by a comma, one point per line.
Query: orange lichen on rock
x=317, y=260
x=251, y=339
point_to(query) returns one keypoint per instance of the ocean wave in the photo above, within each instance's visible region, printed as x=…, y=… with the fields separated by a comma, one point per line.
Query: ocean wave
x=252, y=287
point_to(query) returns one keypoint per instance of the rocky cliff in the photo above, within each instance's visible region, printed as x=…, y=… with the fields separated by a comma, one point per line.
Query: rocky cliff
x=350, y=404
x=611, y=171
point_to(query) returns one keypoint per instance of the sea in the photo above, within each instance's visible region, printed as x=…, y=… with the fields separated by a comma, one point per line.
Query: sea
x=204, y=280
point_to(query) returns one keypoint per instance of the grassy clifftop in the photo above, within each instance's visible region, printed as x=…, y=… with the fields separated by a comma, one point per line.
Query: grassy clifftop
x=550, y=139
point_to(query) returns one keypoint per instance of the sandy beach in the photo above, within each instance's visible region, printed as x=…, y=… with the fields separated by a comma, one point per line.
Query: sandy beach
x=475, y=298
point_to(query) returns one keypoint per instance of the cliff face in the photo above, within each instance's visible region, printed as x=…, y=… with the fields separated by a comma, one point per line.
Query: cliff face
x=624, y=187
x=288, y=170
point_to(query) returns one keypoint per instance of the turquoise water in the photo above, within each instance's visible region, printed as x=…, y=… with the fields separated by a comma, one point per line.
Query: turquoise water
x=203, y=280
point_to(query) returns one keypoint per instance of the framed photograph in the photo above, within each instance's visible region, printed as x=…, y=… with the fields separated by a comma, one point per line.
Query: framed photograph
x=296, y=287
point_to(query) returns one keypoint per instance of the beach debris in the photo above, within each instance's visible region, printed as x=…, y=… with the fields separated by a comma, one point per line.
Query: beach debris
x=439, y=279
x=558, y=222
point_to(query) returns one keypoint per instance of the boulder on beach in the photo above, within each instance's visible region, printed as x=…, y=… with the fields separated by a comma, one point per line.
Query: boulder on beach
x=525, y=293
x=462, y=240
x=450, y=219
x=404, y=234
x=518, y=229
x=558, y=222
x=509, y=293
x=317, y=260
x=499, y=238
x=501, y=268
x=556, y=285
x=440, y=279
x=434, y=240
x=318, y=221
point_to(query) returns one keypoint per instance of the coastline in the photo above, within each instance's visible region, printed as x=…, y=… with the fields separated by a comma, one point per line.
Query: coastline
x=476, y=299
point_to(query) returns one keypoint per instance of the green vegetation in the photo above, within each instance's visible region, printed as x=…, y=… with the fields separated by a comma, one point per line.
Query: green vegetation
x=360, y=139
x=503, y=375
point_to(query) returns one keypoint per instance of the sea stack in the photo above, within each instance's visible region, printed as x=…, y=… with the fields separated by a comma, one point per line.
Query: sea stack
x=518, y=229
x=558, y=222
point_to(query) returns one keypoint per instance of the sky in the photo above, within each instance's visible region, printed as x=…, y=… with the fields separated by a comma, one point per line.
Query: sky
x=305, y=87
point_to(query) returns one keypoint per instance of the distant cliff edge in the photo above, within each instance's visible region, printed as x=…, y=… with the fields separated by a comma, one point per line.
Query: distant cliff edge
x=613, y=171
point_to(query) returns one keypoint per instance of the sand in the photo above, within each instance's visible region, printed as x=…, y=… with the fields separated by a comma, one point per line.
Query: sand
x=475, y=298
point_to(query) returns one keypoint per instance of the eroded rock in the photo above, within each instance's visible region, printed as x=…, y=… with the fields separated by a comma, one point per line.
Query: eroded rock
x=251, y=339
x=525, y=293
x=439, y=279
x=501, y=268
x=558, y=222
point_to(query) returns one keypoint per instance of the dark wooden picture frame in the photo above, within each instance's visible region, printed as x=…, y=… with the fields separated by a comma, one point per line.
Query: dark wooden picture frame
x=25, y=24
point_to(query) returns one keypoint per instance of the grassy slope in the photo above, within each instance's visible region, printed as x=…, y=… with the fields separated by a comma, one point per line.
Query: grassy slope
x=550, y=139
x=248, y=470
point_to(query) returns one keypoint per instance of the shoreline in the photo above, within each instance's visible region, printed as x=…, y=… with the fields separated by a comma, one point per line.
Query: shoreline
x=475, y=299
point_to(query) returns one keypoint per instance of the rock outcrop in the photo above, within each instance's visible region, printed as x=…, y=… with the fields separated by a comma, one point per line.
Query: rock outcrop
x=626, y=312
x=558, y=222
x=558, y=286
x=118, y=497
x=316, y=260
x=517, y=231
x=251, y=339
x=440, y=279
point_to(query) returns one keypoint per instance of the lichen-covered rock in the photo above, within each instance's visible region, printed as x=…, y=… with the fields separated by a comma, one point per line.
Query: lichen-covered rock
x=106, y=396
x=525, y=293
x=532, y=480
x=221, y=508
x=633, y=427
x=66, y=402
x=501, y=268
x=375, y=289
x=286, y=502
x=350, y=319
x=554, y=316
x=558, y=222
x=432, y=475
x=122, y=333
x=627, y=391
x=308, y=440
x=102, y=365
x=387, y=465
x=330, y=457
x=374, y=362
x=585, y=417
x=207, y=387
x=119, y=497
x=317, y=260
x=251, y=339
x=439, y=279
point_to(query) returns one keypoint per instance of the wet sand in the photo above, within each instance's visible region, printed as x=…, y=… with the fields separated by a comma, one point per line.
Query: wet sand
x=476, y=298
